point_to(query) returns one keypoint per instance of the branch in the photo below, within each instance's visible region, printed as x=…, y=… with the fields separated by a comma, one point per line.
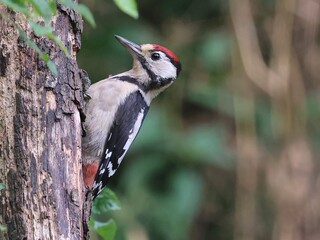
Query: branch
x=246, y=35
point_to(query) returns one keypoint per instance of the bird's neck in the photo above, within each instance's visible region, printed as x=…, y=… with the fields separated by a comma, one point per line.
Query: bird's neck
x=149, y=86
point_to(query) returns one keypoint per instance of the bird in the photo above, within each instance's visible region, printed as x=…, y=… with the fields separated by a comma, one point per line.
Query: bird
x=117, y=107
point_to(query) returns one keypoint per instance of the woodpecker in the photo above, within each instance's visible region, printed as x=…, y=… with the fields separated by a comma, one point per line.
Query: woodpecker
x=117, y=107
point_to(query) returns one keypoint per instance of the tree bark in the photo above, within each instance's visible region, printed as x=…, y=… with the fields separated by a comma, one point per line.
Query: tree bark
x=40, y=127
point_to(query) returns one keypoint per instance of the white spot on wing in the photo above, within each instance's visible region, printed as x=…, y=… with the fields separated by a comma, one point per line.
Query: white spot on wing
x=102, y=168
x=108, y=154
x=110, y=169
x=97, y=185
x=110, y=135
x=102, y=171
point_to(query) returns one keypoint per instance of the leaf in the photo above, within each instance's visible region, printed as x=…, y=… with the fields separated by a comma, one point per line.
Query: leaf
x=17, y=6
x=44, y=56
x=82, y=9
x=86, y=13
x=2, y=186
x=53, y=7
x=3, y=228
x=106, y=230
x=31, y=44
x=128, y=6
x=57, y=40
x=40, y=30
x=106, y=201
x=52, y=67
x=42, y=8
x=47, y=31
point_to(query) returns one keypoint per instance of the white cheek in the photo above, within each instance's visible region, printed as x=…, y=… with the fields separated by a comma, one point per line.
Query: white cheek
x=164, y=69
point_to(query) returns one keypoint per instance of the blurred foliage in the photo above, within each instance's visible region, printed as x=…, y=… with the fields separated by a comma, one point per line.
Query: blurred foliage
x=101, y=206
x=2, y=186
x=210, y=160
x=128, y=6
x=104, y=227
x=39, y=15
x=3, y=228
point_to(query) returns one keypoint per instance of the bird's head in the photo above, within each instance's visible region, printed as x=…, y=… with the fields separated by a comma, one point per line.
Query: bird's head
x=157, y=65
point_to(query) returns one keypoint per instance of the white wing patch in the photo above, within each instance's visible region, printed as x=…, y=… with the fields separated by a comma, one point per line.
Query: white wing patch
x=133, y=133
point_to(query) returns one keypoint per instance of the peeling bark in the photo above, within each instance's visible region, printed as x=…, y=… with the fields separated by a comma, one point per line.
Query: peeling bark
x=40, y=127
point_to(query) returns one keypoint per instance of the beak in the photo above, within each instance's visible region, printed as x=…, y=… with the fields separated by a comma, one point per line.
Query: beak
x=133, y=48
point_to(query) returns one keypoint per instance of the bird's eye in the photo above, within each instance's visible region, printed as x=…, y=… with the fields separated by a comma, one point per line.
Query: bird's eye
x=155, y=56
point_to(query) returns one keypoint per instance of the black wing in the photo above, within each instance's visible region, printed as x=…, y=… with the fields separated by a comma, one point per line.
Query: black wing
x=128, y=120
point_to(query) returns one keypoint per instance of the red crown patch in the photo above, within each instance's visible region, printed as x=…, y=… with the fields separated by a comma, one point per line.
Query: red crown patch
x=169, y=53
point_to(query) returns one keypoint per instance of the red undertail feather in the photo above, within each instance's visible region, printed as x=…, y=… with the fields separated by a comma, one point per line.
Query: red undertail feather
x=89, y=172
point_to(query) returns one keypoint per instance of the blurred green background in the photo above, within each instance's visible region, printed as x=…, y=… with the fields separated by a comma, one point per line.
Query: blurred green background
x=230, y=150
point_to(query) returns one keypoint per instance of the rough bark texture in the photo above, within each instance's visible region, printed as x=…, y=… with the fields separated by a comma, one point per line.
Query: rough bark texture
x=40, y=147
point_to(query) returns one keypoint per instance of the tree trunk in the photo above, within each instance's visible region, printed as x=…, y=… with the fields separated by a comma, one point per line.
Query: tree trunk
x=40, y=127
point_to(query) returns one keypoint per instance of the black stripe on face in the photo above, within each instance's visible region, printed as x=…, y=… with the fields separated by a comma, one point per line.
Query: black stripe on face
x=145, y=66
x=159, y=83
x=156, y=82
